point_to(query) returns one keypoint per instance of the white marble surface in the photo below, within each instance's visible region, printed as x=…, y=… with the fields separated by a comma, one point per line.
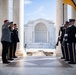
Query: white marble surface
x=37, y=65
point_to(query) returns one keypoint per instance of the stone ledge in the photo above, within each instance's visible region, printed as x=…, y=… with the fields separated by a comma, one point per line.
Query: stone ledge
x=46, y=53
x=21, y=53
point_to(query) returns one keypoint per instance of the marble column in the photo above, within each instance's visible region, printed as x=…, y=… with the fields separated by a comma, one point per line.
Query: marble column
x=4, y=14
x=59, y=21
x=73, y=13
x=18, y=18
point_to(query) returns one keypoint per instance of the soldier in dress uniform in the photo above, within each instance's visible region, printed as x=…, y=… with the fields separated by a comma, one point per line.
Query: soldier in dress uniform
x=11, y=44
x=5, y=40
x=71, y=31
x=60, y=38
x=64, y=43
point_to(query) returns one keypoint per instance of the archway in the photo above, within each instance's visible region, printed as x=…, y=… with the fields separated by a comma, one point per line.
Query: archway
x=40, y=33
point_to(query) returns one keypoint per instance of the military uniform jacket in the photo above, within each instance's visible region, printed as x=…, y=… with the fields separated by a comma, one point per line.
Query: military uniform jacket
x=71, y=32
x=12, y=34
x=6, y=33
x=16, y=38
x=62, y=34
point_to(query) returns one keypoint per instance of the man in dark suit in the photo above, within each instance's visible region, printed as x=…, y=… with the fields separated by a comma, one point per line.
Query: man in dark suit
x=15, y=40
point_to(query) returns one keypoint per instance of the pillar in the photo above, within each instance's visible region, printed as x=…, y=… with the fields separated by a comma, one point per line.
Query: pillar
x=59, y=21
x=73, y=13
x=18, y=18
x=4, y=14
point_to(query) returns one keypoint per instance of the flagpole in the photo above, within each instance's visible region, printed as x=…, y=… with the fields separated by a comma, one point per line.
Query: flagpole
x=63, y=14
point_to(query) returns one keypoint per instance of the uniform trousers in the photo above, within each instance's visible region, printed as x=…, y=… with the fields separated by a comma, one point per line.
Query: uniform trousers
x=5, y=46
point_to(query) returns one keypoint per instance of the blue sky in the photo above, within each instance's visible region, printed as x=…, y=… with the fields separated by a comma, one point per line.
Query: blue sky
x=34, y=9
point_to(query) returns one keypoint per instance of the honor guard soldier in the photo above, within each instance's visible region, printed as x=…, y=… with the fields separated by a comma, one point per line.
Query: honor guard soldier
x=64, y=43
x=60, y=38
x=71, y=31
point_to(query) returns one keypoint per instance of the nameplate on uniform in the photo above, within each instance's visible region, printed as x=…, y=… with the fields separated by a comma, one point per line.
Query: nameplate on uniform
x=75, y=35
x=65, y=34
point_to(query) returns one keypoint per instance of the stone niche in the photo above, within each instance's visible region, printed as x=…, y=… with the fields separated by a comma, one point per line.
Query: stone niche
x=39, y=33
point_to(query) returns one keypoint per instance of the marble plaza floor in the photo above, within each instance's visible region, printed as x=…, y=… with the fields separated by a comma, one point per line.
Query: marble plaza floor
x=37, y=65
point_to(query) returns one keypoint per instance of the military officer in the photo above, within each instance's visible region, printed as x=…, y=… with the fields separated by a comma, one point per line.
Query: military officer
x=71, y=31
x=65, y=45
x=60, y=38
x=11, y=43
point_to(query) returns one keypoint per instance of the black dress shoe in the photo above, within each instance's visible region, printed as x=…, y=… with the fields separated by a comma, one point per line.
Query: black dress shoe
x=67, y=60
x=7, y=62
x=62, y=58
x=11, y=59
x=72, y=62
x=15, y=57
